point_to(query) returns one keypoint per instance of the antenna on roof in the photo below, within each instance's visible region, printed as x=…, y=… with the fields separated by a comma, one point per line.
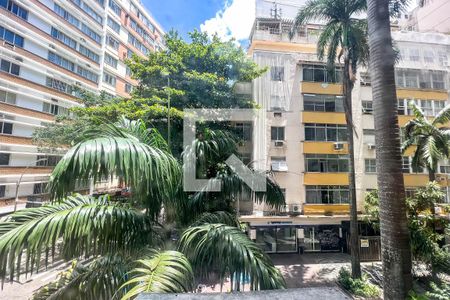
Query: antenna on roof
x=275, y=12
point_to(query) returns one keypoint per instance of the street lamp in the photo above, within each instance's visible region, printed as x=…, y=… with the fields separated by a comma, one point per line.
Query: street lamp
x=20, y=179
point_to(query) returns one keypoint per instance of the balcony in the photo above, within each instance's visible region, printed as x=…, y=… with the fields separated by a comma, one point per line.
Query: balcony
x=324, y=88
x=310, y=147
x=326, y=209
x=325, y=179
x=323, y=117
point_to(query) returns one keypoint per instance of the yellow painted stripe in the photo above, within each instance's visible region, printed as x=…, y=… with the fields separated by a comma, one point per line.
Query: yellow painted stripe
x=422, y=94
x=323, y=148
x=320, y=209
x=325, y=179
x=281, y=47
x=323, y=117
x=321, y=88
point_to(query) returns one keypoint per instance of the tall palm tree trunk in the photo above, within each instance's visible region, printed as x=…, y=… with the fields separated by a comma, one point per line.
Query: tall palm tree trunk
x=395, y=239
x=431, y=175
x=354, y=235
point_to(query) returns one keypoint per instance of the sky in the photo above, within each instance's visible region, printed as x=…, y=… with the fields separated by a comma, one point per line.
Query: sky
x=229, y=18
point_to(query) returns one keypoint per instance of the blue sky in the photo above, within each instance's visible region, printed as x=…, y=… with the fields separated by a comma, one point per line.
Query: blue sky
x=229, y=18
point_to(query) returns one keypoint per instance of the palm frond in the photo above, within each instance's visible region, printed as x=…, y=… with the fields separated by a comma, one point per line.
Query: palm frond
x=217, y=217
x=313, y=9
x=78, y=225
x=443, y=117
x=228, y=250
x=149, y=171
x=99, y=279
x=164, y=272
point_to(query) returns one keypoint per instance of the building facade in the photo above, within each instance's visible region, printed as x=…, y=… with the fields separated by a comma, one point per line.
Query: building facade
x=50, y=49
x=431, y=16
x=306, y=132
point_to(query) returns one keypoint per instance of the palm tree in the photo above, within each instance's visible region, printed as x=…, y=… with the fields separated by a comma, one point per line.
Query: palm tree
x=431, y=138
x=343, y=36
x=395, y=241
x=120, y=249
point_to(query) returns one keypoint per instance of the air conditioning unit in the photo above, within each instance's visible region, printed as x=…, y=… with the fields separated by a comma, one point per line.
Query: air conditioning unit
x=370, y=146
x=367, y=111
x=52, y=46
x=277, y=114
x=338, y=146
x=296, y=209
x=279, y=143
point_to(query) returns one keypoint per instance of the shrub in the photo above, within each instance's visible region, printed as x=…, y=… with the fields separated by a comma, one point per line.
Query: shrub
x=358, y=287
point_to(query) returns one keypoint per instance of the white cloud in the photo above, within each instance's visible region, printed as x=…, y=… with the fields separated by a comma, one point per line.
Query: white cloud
x=235, y=20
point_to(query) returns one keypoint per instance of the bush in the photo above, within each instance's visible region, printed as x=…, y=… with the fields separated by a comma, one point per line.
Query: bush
x=358, y=287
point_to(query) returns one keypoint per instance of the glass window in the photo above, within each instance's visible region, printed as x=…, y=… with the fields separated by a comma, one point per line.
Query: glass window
x=244, y=131
x=328, y=103
x=414, y=54
x=370, y=165
x=277, y=73
x=327, y=194
x=325, y=132
x=6, y=128
x=92, y=34
x=111, y=61
x=113, y=25
x=367, y=107
x=115, y=7
x=411, y=78
x=109, y=79
x=445, y=169
x=7, y=97
x=112, y=42
x=89, y=54
x=405, y=164
x=438, y=80
x=4, y=159
x=326, y=163
x=277, y=133
x=63, y=38
x=2, y=191
x=428, y=56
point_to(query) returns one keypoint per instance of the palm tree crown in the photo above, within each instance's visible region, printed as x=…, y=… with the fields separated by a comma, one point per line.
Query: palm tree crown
x=431, y=137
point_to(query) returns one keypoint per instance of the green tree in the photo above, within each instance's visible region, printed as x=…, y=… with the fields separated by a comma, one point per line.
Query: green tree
x=395, y=238
x=431, y=138
x=343, y=37
x=202, y=74
x=121, y=247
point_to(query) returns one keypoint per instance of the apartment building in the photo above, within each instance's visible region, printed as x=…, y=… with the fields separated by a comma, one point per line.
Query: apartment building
x=49, y=49
x=306, y=132
x=431, y=16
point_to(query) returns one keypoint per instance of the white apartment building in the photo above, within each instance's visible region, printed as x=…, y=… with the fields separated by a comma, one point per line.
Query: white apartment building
x=48, y=47
x=306, y=131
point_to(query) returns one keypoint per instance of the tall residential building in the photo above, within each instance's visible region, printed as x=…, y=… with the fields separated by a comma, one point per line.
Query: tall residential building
x=307, y=136
x=432, y=16
x=47, y=48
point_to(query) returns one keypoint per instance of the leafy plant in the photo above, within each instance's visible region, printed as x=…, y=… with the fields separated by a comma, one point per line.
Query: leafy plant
x=358, y=287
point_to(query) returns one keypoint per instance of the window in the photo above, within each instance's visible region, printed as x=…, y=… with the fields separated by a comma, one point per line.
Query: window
x=279, y=164
x=414, y=54
x=63, y=38
x=11, y=37
x=244, y=131
x=401, y=107
x=47, y=160
x=4, y=159
x=445, y=169
x=54, y=108
x=410, y=192
x=365, y=79
x=277, y=73
x=369, y=136
x=67, y=16
x=442, y=57
x=111, y=61
x=319, y=73
x=367, y=107
x=137, y=44
x=90, y=33
x=405, y=164
x=411, y=78
x=370, y=165
x=87, y=9
x=438, y=80
x=326, y=163
x=109, y=79
x=58, y=85
x=15, y=9
x=7, y=97
x=428, y=56
x=60, y=61
x=9, y=67
x=128, y=88
x=277, y=103
x=89, y=54
x=6, y=128
x=424, y=80
x=112, y=42
x=113, y=25
x=39, y=188
x=91, y=76
x=2, y=191
x=115, y=7
x=327, y=194
x=277, y=133
x=325, y=132
x=127, y=71
x=328, y=103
